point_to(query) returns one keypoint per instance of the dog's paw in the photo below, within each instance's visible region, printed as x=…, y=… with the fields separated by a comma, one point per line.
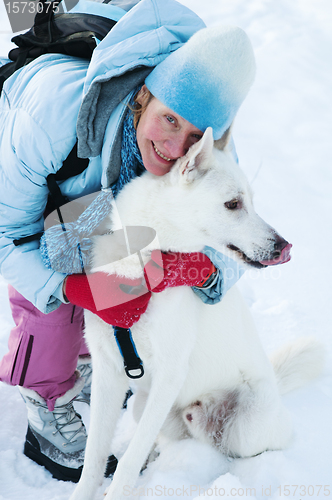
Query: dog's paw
x=195, y=416
x=207, y=418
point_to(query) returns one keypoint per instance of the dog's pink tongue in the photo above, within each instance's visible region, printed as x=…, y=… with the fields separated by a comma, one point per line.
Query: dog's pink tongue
x=284, y=256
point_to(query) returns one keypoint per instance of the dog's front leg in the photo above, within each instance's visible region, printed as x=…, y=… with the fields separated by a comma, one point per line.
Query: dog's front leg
x=165, y=388
x=108, y=390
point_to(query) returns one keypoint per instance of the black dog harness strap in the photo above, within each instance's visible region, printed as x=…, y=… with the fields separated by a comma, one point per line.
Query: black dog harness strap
x=132, y=362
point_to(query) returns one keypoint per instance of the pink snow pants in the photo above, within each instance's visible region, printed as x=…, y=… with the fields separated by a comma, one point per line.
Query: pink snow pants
x=43, y=348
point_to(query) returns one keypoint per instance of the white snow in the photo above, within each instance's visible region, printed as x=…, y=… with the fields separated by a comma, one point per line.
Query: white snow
x=283, y=138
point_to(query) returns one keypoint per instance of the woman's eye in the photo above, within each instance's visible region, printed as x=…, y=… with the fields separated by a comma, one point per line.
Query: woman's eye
x=170, y=119
x=198, y=137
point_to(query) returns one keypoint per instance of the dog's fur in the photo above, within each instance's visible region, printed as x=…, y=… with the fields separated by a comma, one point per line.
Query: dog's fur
x=206, y=374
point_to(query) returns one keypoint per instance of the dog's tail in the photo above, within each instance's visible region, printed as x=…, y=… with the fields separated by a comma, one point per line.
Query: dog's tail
x=297, y=363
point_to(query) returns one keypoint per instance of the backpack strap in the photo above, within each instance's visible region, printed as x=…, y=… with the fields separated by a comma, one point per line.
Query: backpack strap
x=5, y=72
x=72, y=166
x=8, y=69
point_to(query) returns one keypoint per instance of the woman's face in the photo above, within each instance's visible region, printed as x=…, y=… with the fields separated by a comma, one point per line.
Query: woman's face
x=163, y=136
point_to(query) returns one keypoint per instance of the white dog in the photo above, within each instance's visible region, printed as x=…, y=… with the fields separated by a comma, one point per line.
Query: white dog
x=206, y=374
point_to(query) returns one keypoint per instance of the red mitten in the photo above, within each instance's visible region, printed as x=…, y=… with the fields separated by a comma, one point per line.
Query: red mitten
x=116, y=300
x=177, y=269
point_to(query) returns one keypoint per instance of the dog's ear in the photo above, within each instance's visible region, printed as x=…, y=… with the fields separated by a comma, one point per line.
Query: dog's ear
x=196, y=161
x=223, y=143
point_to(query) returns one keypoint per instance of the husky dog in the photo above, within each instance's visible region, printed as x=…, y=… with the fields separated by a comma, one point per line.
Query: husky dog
x=206, y=373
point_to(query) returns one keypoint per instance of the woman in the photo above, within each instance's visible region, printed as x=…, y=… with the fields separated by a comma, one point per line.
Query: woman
x=48, y=105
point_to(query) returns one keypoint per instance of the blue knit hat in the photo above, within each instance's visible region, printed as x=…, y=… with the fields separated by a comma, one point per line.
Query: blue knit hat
x=206, y=80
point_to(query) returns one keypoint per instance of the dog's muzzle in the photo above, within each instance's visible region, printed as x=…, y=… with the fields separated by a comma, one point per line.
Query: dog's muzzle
x=280, y=255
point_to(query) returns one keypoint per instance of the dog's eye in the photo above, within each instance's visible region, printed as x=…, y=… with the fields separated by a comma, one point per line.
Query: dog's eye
x=232, y=205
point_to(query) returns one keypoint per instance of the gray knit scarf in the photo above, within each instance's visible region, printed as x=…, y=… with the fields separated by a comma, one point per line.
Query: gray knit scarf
x=65, y=248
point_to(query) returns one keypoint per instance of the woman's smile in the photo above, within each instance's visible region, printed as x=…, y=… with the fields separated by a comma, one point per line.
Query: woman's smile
x=160, y=154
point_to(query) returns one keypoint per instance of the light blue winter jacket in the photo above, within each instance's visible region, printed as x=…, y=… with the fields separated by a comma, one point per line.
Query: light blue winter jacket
x=42, y=113
x=55, y=100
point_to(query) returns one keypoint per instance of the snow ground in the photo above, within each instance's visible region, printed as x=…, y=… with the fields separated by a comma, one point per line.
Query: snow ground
x=283, y=137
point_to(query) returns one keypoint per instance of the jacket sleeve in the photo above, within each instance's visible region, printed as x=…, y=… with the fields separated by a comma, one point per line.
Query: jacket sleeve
x=228, y=273
x=24, y=166
x=38, y=108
